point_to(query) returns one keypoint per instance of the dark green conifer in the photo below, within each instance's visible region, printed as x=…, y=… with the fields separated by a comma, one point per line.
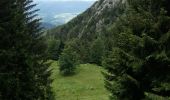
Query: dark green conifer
x=23, y=68
x=97, y=51
x=139, y=62
x=68, y=61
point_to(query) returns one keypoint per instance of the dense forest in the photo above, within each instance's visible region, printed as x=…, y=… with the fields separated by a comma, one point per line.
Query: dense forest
x=128, y=41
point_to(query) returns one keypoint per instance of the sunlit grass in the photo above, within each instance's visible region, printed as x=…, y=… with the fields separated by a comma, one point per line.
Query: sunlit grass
x=86, y=84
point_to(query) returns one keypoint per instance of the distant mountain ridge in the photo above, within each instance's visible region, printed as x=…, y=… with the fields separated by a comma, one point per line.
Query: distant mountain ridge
x=46, y=25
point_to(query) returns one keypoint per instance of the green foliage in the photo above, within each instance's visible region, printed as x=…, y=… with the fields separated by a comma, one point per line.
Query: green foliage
x=140, y=57
x=84, y=51
x=23, y=67
x=121, y=85
x=88, y=25
x=68, y=60
x=55, y=48
x=97, y=51
x=135, y=42
x=87, y=84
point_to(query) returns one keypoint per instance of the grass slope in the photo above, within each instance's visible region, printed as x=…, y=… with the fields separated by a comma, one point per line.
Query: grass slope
x=87, y=84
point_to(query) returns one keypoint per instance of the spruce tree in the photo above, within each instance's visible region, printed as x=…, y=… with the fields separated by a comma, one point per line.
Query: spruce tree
x=55, y=47
x=97, y=51
x=139, y=63
x=23, y=67
x=68, y=60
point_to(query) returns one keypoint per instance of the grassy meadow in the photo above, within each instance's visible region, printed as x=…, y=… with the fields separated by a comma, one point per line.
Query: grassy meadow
x=86, y=84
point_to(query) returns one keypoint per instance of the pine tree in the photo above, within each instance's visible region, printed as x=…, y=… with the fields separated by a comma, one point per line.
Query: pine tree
x=68, y=60
x=139, y=62
x=55, y=48
x=97, y=51
x=23, y=68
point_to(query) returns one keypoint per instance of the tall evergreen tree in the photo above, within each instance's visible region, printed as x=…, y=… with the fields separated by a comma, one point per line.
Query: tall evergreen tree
x=139, y=62
x=68, y=60
x=23, y=68
x=97, y=51
x=55, y=48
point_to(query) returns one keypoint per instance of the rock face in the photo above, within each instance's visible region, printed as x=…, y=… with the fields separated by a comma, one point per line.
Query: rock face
x=104, y=4
x=92, y=22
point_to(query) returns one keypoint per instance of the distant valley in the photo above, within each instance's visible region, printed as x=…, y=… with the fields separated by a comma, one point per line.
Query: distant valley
x=56, y=13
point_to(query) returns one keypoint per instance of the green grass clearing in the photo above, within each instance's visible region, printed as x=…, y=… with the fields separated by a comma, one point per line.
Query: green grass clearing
x=86, y=84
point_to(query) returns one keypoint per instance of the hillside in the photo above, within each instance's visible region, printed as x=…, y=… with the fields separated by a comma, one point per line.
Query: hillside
x=129, y=39
x=89, y=26
x=115, y=50
x=87, y=84
x=46, y=25
x=93, y=22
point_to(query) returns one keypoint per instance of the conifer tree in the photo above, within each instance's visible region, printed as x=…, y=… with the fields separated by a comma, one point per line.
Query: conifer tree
x=97, y=51
x=55, y=48
x=139, y=62
x=68, y=60
x=23, y=68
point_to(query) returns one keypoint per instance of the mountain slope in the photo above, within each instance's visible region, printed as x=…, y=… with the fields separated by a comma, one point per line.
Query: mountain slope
x=92, y=22
x=46, y=25
x=86, y=28
x=130, y=40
